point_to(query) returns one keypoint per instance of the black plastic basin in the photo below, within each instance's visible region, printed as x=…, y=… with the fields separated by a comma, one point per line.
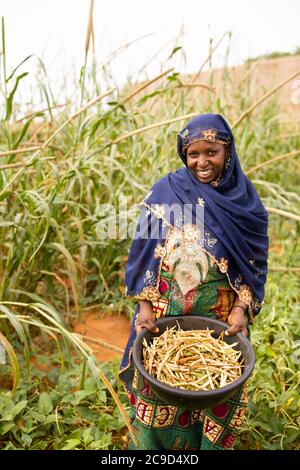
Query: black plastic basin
x=187, y=398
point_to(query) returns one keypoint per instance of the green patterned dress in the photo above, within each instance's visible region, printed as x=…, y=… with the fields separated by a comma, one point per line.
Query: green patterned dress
x=190, y=283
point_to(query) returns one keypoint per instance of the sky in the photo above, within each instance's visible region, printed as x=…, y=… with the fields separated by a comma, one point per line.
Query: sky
x=55, y=30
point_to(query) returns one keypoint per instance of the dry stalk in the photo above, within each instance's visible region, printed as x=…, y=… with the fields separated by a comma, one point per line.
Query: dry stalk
x=123, y=48
x=14, y=165
x=127, y=98
x=30, y=115
x=152, y=126
x=209, y=56
x=90, y=30
x=292, y=269
x=197, y=85
x=288, y=215
x=101, y=343
x=20, y=150
x=274, y=159
x=267, y=95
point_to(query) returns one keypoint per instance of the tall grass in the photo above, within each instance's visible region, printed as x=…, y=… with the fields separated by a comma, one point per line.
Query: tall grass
x=60, y=165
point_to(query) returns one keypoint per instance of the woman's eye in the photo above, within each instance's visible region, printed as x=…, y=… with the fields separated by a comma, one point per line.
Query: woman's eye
x=212, y=152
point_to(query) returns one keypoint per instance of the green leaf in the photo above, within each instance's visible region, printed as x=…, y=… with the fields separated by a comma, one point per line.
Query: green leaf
x=105, y=421
x=10, y=446
x=51, y=419
x=10, y=98
x=24, y=130
x=69, y=398
x=38, y=416
x=45, y=404
x=5, y=400
x=6, y=427
x=5, y=195
x=87, y=413
x=16, y=68
x=26, y=439
x=11, y=411
x=17, y=325
x=81, y=395
x=71, y=444
x=150, y=95
x=103, y=443
x=39, y=445
x=174, y=51
x=87, y=435
x=173, y=78
x=102, y=397
x=67, y=255
x=76, y=434
x=13, y=360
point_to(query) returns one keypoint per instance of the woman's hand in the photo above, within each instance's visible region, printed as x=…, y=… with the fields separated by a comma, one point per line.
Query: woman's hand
x=145, y=318
x=237, y=321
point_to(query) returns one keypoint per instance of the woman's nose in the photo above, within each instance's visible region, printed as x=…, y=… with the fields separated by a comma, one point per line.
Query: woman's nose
x=201, y=160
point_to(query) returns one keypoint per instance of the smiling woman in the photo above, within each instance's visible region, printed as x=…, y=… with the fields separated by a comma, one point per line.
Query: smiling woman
x=207, y=160
x=212, y=266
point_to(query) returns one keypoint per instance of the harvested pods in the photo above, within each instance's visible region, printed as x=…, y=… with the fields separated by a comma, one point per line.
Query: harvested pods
x=192, y=359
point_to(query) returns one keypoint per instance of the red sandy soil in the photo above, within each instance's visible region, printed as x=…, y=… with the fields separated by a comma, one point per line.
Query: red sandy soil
x=110, y=329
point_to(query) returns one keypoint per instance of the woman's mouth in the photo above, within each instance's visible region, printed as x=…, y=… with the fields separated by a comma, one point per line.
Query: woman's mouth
x=204, y=173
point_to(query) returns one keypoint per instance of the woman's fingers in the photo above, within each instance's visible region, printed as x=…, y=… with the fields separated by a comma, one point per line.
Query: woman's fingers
x=150, y=325
x=237, y=322
x=146, y=323
x=245, y=331
x=236, y=328
x=233, y=330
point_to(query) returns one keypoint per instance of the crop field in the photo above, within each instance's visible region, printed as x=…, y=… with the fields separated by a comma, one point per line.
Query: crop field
x=68, y=170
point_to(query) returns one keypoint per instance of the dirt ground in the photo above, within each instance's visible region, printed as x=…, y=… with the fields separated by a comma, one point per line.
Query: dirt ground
x=112, y=330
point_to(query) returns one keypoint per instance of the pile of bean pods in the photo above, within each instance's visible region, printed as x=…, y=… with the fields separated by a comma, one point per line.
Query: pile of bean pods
x=192, y=359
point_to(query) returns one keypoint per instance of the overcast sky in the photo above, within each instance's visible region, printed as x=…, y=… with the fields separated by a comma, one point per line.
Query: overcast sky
x=55, y=30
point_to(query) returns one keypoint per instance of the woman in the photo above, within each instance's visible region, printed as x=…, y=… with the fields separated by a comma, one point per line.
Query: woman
x=200, y=248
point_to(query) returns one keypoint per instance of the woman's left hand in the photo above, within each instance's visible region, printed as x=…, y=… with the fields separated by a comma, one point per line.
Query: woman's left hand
x=237, y=322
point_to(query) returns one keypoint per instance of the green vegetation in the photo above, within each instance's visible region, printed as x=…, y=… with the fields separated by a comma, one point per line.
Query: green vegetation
x=275, y=55
x=273, y=420
x=51, y=411
x=54, y=261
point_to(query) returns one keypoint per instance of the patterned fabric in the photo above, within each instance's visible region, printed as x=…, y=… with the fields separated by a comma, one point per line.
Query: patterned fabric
x=159, y=425
x=190, y=282
x=214, y=296
x=194, y=132
x=222, y=423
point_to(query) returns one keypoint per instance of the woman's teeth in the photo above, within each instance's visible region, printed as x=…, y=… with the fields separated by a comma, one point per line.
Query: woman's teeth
x=204, y=173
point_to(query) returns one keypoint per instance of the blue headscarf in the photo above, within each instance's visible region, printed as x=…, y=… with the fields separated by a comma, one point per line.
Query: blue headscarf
x=235, y=221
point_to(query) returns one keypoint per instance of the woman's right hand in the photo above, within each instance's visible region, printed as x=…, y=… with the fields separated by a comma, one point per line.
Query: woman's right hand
x=145, y=318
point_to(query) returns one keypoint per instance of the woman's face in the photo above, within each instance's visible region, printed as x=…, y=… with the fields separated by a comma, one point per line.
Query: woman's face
x=206, y=160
